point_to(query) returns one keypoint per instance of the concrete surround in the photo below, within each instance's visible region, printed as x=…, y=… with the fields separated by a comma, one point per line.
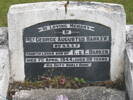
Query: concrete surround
x=4, y=63
x=129, y=62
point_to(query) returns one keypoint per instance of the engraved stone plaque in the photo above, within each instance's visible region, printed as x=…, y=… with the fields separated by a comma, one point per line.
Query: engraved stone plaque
x=73, y=48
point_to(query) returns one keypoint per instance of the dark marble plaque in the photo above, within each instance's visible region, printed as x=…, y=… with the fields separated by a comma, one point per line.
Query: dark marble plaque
x=72, y=48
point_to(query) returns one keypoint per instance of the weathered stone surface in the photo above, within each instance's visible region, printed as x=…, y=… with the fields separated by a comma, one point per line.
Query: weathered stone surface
x=25, y=15
x=3, y=36
x=88, y=93
x=4, y=63
x=4, y=72
x=129, y=70
x=129, y=29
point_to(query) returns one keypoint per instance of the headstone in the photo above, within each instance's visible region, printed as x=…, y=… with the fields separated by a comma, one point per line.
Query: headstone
x=83, y=39
x=4, y=64
x=129, y=62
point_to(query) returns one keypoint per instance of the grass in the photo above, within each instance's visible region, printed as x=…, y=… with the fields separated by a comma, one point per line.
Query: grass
x=5, y=4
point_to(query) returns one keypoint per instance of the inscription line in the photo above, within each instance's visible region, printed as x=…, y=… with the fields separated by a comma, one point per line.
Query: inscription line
x=67, y=39
x=67, y=59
